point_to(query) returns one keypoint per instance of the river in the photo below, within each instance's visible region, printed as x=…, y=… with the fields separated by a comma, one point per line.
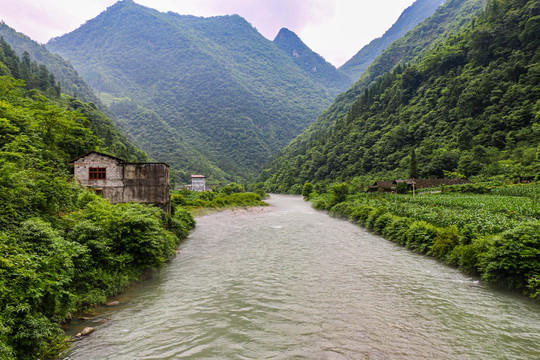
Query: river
x=290, y=282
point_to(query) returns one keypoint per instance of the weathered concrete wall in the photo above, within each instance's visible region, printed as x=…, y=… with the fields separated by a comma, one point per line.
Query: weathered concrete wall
x=111, y=185
x=125, y=182
x=198, y=184
x=146, y=183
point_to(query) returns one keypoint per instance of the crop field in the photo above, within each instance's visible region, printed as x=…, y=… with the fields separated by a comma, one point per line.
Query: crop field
x=500, y=210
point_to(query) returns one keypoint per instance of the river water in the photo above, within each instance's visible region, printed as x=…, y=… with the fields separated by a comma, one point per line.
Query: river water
x=289, y=282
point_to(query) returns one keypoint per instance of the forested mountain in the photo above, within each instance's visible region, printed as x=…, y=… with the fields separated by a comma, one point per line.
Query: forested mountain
x=412, y=16
x=448, y=19
x=471, y=105
x=72, y=84
x=312, y=63
x=230, y=94
x=62, y=247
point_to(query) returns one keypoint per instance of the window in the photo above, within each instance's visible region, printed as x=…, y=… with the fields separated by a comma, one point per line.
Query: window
x=97, y=173
x=99, y=192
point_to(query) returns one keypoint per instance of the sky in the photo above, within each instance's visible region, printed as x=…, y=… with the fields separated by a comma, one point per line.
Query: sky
x=335, y=29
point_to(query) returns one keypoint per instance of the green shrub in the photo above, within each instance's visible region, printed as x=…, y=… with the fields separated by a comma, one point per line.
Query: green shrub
x=382, y=222
x=514, y=257
x=467, y=257
x=421, y=236
x=373, y=216
x=307, y=190
x=342, y=210
x=339, y=193
x=178, y=200
x=447, y=238
x=396, y=229
x=181, y=222
x=320, y=203
x=232, y=188
x=361, y=214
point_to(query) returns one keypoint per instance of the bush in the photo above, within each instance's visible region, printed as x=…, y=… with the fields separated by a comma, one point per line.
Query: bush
x=382, y=222
x=445, y=241
x=339, y=193
x=320, y=203
x=307, y=190
x=343, y=210
x=397, y=228
x=373, y=216
x=361, y=214
x=421, y=236
x=514, y=258
x=232, y=188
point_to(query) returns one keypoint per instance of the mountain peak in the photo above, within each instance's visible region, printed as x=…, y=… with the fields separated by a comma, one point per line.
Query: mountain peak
x=312, y=63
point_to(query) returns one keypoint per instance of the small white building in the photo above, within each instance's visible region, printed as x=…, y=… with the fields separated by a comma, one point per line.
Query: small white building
x=198, y=183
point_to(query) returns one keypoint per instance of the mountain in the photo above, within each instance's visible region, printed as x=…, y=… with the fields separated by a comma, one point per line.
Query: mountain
x=318, y=69
x=71, y=83
x=227, y=93
x=467, y=105
x=447, y=20
x=412, y=16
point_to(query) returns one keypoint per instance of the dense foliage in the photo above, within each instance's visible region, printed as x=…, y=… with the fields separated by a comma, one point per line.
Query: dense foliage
x=71, y=83
x=318, y=69
x=496, y=234
x=471, y=105
x=412, y=16
x=447, y=20
x=232, y=195
x=62, y=248
x=216, y=84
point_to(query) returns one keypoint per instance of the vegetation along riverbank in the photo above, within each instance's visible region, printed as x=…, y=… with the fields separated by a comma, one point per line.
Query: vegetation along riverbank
x=492, y=231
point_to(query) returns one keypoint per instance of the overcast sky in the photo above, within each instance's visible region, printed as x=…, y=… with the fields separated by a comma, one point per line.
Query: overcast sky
x=336, y=29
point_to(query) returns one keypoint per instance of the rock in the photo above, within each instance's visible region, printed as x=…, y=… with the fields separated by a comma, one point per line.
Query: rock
x=86, y=331
x=112, y=303
x=85, y=318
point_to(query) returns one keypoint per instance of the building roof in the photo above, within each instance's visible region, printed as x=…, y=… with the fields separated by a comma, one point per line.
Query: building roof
x=428, y=183
x=198, y=176
x=72, y=162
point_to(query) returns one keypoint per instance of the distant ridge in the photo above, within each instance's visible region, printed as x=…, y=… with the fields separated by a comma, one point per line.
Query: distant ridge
x=226, y=93
x=312, y=63
x=72, y=84
x=412, y=16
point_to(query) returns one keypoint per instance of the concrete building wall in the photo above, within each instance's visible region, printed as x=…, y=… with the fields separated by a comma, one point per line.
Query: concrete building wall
x=198, y=184
x=145, y=183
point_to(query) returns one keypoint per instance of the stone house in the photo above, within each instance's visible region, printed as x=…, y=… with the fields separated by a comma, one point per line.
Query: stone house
x=121, y=181
x=198, y=183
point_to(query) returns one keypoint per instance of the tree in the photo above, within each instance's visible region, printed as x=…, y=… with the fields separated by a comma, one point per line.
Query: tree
x=306, y=190
x=413, y=169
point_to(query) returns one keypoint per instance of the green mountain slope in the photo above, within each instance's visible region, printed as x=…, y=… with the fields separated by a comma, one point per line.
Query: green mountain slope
x=232, y=95
x=318, y=69
x=412, y=16
x=72, y=84
x=63, y=248
x=471, y=105
x=447, y=20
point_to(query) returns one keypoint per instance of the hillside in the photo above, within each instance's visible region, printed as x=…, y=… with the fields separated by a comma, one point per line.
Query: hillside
x=230, y=94
x=318, y=69
x=72, y=84
x=412, y=16
x=469, y=106
x=447, y=20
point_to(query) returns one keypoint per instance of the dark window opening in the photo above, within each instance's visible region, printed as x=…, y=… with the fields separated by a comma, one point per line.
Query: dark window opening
x=97, y=173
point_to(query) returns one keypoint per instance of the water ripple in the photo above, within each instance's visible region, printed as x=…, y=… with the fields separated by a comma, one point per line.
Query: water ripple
x=290, y=282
